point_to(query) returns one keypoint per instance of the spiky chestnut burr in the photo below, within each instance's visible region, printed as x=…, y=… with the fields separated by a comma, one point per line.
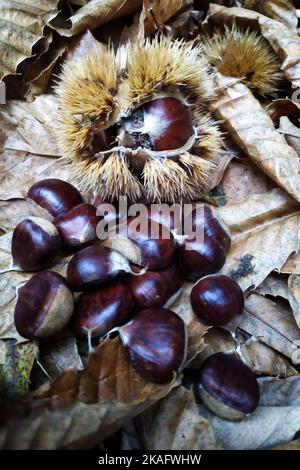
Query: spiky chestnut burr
x=150, y=97
x=245, y=55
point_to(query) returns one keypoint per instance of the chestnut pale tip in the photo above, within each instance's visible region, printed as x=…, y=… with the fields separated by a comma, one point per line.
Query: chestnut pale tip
x=227, y=386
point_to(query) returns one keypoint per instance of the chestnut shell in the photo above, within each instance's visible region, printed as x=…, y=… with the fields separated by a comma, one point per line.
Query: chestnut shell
x=155, y=341
x=44, y=305
x=228, y=380
x=35, y=244
x=93, y=266
x=198, y=258
x=78, y=226
x=54, y=195
x=103, y=309
x=217, y=299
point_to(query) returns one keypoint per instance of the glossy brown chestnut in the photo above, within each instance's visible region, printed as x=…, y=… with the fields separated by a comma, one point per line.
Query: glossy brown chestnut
x=227, y=386
x=103, y=309
x=148, y=244
x=77, y=227
x=155, y=288
x=217, y=299
x=198, y=258
x=165, y=215
x=44, y=306
x=155, y=341
x=204, y=216
x=51, y=197
x=35, y=244
x=95, y=265
x=162, y=124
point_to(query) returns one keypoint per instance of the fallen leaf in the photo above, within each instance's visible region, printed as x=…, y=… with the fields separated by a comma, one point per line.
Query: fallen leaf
x=253, y=130
x=272, y=324
x=15, y=368
x=96, y=13
x=265, y=231
x=176, y=425
x=293, y=445
x=80, y=408
x=155, y=14
x=267, y=427
x=59, y=355
x=281, y=10
x=279, y=392
x=290, y=132
x=22, y=26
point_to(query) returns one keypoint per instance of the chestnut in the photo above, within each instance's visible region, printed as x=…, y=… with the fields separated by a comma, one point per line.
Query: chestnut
x=103, y=309
x=35, y=244
x=156, y=343
x=166, y=215
x=206, y=217
x=51, y=197
x=44, y=305
x=217, y=299
x=156, y=288
x=198, y=258
x=95, y=265
x=146, y=244
x=161, y=124
x=77, y=227
x=227, y=386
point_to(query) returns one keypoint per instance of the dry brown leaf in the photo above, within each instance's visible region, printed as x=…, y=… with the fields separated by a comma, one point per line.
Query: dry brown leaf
x=293, y=445
x=292, y=266
x=286, y=287
x=267, y=427
x=59, y=355
x=290, y=132
x=80, y=408
x=243, y=179
x=265, y=231
x=195, y=328
x=284, y=41
x=32, y=126
x=176, y=425
x=156, y=13
x=96, y=13
x=272, y=324
x=279, y=392
x=11, y=213
x=281, y=10
x=284, y=107
x=252, y=129
x=22, y=26
x=259, y=357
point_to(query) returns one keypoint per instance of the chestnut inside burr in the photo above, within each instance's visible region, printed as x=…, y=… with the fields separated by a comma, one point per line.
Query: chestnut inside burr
x=158, y=125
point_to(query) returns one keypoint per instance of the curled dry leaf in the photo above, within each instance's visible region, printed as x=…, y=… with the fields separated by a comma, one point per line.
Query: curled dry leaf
x=155, y=14
x=265, y=231
x=284, y=107
x=175, y=424
x=195, y=328
x=16, y=362
x=286, y=287
x=272, y=324
x=259, y=357
x=253, y=130
x=281, y=10
x=22, y=27
x=279, y=392
x=80, y=408
x=267, y=427
x=284, y=41
x=96, y=13
x=290, y=132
